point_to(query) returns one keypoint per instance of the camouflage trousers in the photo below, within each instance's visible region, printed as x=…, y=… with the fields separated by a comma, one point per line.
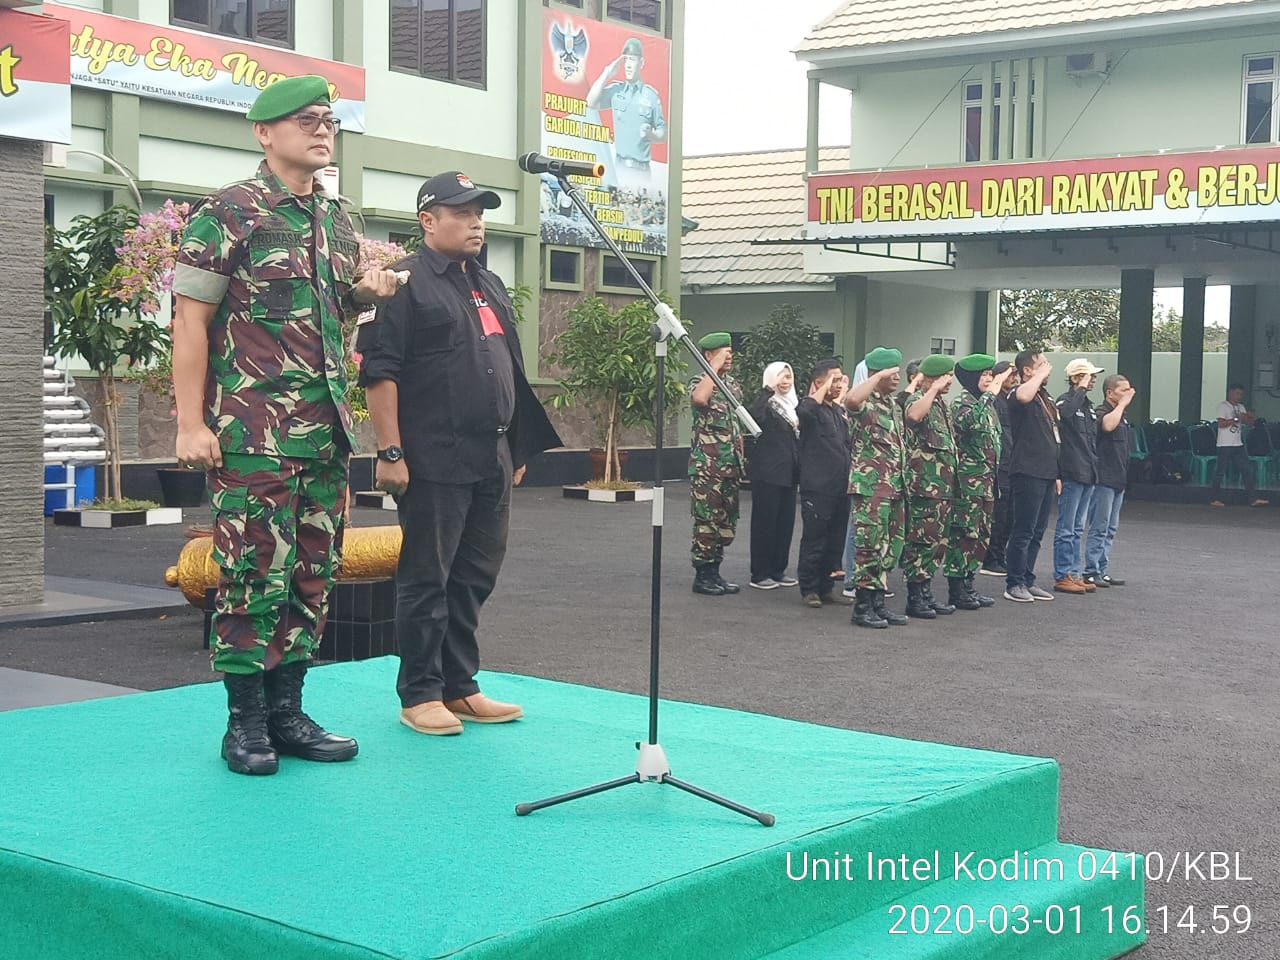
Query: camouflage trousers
x=713, y=501
x=878, y=526
x=277, y=540
x=928, y=523
x=970, y=534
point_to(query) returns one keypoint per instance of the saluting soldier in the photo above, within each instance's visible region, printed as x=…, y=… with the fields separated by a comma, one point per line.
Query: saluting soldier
x=265, y=272
x=976, y=426
x=931, y=482
x=878, y=484
x=715, y=467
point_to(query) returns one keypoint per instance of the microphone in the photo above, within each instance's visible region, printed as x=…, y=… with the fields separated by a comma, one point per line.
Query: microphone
x=537, y=163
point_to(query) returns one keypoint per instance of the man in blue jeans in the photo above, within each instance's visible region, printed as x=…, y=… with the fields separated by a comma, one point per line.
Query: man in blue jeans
x=1033, y=474
x=1114, y=445
x=1078, y=469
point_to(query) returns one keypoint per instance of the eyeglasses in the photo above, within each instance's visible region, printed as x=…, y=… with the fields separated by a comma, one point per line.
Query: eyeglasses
x=310, y=122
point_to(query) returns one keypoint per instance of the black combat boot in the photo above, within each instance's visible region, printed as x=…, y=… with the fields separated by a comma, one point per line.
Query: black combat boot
x=704, y=583
x=941, y=609
x=725, y=585
x=885, y=614
x=959, y=597
x=864, y=611
x=292, y=732
x=246, y=746
x=983, y=601
x=917, y=607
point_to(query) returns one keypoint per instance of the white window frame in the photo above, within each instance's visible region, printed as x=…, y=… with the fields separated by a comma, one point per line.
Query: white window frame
x=1245, y=80
x=967, y=103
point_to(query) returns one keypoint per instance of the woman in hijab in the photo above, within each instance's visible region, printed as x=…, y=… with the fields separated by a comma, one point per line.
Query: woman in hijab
x=774, y=472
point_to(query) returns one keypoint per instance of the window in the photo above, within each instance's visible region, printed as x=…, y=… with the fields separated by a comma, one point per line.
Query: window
x=440, y=39
x=973, y=103
x=562, y=268
x=266, y=21
x=643, y=13
x=1260, y=92
x=614, y=276
x=943, y=345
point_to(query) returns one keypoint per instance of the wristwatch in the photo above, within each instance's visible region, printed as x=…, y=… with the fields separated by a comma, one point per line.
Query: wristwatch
x=391, y=454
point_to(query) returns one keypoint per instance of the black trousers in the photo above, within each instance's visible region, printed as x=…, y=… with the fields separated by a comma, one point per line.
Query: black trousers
x=1032, y=500
x=824, y=528
x=1000, y=518
x=773, y=519
x=1229, y=457
x=455, y=537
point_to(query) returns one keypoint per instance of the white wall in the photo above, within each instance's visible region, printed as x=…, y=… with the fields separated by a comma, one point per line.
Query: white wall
x=907, y=317
x=176, y=161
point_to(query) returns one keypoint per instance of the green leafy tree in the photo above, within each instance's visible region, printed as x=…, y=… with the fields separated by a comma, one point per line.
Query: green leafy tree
x=784, y=336
x=610, y=366
x=1166, y=334
x=82, y=282
x=1049, y=319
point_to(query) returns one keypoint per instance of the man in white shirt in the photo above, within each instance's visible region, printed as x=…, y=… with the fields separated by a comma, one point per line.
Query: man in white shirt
x=1233, y=415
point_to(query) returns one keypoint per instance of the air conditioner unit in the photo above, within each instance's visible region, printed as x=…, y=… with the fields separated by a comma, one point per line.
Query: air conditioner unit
x=1087, y=64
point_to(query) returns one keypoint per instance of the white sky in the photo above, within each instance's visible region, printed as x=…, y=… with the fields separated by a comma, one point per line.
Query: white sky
x=745, y=90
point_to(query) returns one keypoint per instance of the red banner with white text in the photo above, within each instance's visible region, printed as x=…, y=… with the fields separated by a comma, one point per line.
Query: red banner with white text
x=35, y=78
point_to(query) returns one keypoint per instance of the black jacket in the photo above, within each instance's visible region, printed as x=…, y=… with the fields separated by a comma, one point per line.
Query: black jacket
x=775, y=456
x=1078, y=459
x=825, y=457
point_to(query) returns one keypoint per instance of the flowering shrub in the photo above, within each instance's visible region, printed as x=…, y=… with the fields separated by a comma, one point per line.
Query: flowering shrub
x=148, y=254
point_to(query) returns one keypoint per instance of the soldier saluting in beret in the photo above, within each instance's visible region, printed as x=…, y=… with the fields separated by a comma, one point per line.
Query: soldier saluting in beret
x=265, y=273
x=715, y=467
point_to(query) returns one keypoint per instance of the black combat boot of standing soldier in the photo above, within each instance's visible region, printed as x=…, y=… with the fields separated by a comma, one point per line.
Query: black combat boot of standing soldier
x=246, y=746
x=917, y=608
x=941, y=609
x=725, y=585
x=983, y=601
x=292, y=732
x=959, y=597
x=704, y=583
x=864, y=611
x=884, y=613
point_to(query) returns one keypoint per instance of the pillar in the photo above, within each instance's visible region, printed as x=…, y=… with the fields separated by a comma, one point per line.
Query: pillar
x=1191, y=365
x=1244, y=312
x=1137, y=295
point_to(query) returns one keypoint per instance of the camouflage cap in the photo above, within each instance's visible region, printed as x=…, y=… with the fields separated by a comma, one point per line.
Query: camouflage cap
x=714, y=341
x=977, y=362
x=285, y=96
x=882, y=358
x=935, y=365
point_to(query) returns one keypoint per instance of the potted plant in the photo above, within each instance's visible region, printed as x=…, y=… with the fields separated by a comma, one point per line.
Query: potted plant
x=609, y=365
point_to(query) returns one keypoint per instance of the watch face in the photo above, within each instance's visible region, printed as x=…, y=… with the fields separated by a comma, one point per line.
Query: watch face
x=391, y=454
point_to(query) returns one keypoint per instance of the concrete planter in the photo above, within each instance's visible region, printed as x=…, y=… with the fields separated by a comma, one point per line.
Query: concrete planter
x=574, y=491
x=109, y=519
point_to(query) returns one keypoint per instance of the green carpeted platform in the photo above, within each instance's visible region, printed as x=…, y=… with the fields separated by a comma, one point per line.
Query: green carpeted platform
x=122, y=835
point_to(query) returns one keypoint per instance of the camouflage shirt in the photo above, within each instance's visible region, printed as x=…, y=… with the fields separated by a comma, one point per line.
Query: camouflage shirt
x=279, y=267
x=878, y=453
x=715, y=444
x=931, y=452
x=977, y=434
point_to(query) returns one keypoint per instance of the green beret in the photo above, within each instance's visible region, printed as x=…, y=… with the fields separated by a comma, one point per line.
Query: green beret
x=935, y=365
x=633, y=48
x=977, y=362
x=882, y=358
x=714, y=341
x=285, y=96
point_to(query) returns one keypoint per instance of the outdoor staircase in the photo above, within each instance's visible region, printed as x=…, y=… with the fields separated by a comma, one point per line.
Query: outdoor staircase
x=71, y=439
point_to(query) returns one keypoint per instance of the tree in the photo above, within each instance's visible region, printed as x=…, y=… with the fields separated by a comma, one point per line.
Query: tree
x=1048, y=319
x=784, y=336
x=93, y=318
x=610, y=366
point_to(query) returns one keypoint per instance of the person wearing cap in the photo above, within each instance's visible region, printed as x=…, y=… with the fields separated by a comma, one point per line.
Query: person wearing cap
x=457, y=423
x=824, y=482
x=994, y=563
x=877, y=485
x=1115, y=444
x=977, y=434
x=931, y=485
x=638, y=120
x=1033, y=474
x=715, y=467
x=1078, y=469
x=265, y=275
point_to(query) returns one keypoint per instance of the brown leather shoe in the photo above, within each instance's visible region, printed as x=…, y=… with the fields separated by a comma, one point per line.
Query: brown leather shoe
x=1088, y=587
x=432, y=718
x=480, y=709
x=1068, y=585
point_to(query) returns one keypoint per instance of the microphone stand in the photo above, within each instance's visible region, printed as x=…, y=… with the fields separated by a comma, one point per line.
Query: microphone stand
x=652, y=764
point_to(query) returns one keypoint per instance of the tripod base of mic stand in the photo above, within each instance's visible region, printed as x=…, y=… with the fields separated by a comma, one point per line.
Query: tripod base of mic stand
x=652, y=767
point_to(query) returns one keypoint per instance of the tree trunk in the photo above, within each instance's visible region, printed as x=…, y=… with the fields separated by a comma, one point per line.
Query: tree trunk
x=111, y=403
x=611, y=472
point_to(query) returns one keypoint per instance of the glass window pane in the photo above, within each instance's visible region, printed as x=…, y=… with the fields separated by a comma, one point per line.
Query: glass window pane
x=1257, y=113
x=616, y=275
x=271, y=20
x=972, y=134
x=405, y=34
x=995, y=90
x=435, y=39
x=469, y=41
x=973, y=91
x=1261, y=66
x=230, y=18
x=192, y=11
x=563, y=266
x=995, y=131
x=643, y=13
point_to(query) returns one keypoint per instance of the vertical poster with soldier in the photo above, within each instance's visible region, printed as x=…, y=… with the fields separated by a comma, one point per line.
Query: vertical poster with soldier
x=606, y=95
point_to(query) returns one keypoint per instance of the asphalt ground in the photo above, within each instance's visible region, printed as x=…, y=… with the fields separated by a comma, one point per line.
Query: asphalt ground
x=1158, y=699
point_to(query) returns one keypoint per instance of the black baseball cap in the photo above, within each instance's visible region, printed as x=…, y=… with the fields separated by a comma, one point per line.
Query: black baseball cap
x=453, y=188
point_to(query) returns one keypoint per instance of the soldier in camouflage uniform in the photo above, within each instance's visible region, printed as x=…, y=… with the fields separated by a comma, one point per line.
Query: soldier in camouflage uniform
x=265, y=272
x=877, y=483
x=977, y=435
x=715, y=468
x=931, y=484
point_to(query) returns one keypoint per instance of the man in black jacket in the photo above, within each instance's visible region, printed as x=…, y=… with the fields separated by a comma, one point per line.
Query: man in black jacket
x=774, y=470
x=994, y=565
x=1078, y=469
x=824, y=482
x=1033, y=474
x=1115, y=442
